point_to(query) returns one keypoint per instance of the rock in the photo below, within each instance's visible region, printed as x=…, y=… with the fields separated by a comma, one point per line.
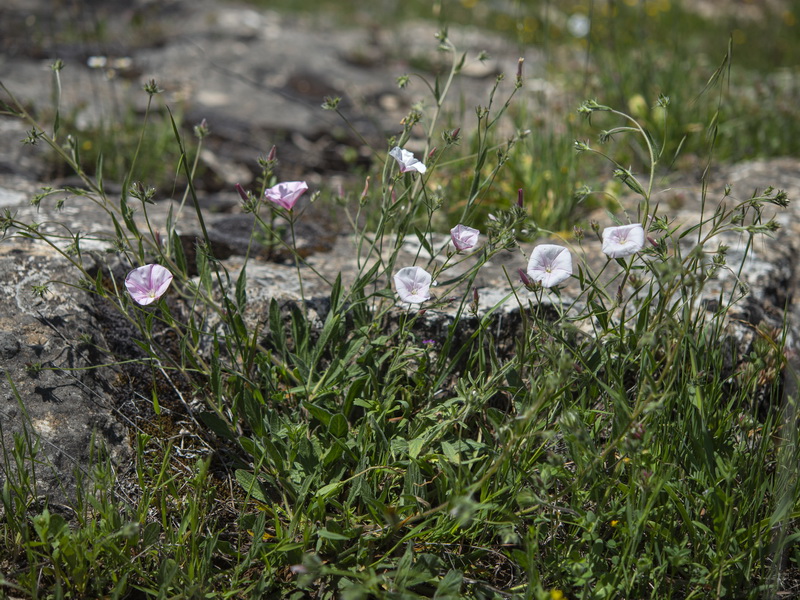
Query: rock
x=46, y=389
x=257, y=77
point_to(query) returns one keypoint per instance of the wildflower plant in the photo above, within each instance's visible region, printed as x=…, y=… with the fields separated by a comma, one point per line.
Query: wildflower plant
x=601, y=439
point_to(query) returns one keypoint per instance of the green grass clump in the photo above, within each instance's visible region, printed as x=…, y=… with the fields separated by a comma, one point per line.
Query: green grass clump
x=605, y=439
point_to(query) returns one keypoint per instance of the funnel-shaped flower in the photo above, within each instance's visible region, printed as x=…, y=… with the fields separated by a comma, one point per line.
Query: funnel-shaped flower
x=286, y=194
x=148, y=283
x=464, y=238
x=550, y=264
x=619, y=242
x=413, y=284
x=406, y=160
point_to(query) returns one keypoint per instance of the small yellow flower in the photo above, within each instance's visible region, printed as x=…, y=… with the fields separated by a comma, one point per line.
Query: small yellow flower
x=557, y=595
x=614, y=523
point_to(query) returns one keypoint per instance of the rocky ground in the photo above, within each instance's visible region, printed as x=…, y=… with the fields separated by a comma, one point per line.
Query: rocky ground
x=258, y=79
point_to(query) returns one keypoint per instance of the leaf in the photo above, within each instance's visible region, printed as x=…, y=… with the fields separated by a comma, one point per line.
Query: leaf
x=450, y=586
x=423, y=241
x=415, y=447
x=319, y=413
x=335, y=452
x=336, y=293
x=331, y=488
x=251, y=485
x=332, y=535
x=177, y=251
x=338, y=425
x=451, y=453
x=241, y=290
x=98, y=170
x=460, y=64
x=217, y=425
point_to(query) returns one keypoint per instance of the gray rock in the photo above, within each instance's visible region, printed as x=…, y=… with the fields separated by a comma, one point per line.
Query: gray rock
x=46, y=392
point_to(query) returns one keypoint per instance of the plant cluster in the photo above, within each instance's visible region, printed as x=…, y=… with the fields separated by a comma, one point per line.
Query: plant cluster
x=611, y=446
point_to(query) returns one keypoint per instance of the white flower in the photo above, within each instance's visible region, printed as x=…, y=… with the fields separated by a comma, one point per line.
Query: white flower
x=413, y=284
x=550, y=264
x=406, y=160
x=464, y=238
x=622, y=241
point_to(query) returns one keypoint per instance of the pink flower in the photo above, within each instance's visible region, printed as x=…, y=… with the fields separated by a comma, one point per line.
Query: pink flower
x=464, y=238
x=286, y=194
x=550, y=264
x=622, y=241
x=413, y=284
x=148, y=283
x=406, y=160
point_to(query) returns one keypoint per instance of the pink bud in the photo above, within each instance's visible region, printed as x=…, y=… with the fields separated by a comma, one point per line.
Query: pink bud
x=520, y=197
x=365, y=191
x=242, y=193
x=272, y=154
x=523, y=277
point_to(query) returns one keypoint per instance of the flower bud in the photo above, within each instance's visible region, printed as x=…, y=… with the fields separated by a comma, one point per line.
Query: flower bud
x=242, y=193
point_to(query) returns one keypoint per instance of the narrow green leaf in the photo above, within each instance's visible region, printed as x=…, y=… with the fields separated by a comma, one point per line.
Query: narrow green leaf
x=241, y=289
x=332, y=535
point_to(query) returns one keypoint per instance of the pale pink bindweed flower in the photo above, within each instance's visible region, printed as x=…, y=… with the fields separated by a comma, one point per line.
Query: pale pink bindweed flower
x=622, y=241
x=148, y=283
x=464, y=238
x=413, y=284
x=286, y=194
x=549, y=264
x=406, y=160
